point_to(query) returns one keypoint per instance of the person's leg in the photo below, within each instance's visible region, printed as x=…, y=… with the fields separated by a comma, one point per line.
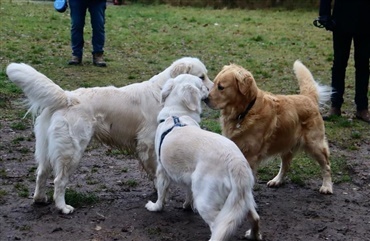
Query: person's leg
x=97, y=13
x=342, y=48
x=78, y=13
x=362, y=55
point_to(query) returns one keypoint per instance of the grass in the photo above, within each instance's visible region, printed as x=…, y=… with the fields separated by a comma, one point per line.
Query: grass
x=3, y=193
x=131, y=183
x=22, y=190
x=77, y=199
x=143, y=40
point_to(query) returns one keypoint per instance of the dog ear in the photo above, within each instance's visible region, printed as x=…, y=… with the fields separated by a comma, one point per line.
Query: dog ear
x=190, y=97
x=245, y=81
x=167, y=88
x=180, y=68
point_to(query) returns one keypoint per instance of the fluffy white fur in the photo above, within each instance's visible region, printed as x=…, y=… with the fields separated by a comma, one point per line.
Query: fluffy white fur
x=217, y=177
x=67, y=120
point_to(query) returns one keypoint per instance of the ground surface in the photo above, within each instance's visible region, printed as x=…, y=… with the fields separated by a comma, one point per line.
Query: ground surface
x=290, y=212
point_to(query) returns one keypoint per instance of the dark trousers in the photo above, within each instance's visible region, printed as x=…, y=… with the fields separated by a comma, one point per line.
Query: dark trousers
x=78, y=9
x=342, y=47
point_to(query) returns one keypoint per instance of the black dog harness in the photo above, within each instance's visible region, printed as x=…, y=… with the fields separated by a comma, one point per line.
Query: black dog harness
x=177, y=123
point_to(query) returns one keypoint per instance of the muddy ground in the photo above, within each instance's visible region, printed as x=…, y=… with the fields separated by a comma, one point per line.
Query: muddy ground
x=117, y=191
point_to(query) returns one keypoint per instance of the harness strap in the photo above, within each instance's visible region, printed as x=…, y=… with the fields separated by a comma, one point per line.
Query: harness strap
x=177, y=123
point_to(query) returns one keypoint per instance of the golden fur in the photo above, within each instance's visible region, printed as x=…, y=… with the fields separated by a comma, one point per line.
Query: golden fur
x=275, y=124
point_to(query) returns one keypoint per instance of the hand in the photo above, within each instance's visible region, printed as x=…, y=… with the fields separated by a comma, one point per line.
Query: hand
x=324, y=22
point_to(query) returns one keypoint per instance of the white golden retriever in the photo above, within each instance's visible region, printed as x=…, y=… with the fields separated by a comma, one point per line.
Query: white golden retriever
x=67, y=120
x=217, y=177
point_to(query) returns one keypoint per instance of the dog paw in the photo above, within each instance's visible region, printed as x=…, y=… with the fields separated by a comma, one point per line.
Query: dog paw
x=252, y=236
x=326, y=190
x=274, y=183
x=153, y=207
x=40, y=201
x=67, y=209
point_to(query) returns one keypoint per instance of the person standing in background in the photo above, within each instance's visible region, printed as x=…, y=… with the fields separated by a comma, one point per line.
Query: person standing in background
x=78, y=9
x=349, y=21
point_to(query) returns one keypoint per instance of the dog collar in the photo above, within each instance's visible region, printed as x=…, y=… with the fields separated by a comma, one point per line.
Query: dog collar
x=177, y=122
x=244, y=113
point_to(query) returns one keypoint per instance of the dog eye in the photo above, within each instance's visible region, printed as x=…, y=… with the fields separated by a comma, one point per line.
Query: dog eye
x=202, y=77
x=220, y=87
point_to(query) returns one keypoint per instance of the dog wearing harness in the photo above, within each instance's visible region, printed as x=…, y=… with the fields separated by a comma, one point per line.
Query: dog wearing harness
x=217, y=178
x=177, y=123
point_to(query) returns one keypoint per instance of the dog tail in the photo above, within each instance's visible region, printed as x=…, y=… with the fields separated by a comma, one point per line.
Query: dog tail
x=309, y=87
x=39, y=89
x=239, y=202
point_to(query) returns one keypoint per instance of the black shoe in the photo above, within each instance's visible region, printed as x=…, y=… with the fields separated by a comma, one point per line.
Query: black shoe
x=98, y=60
x=334, y=111
x=75, y=61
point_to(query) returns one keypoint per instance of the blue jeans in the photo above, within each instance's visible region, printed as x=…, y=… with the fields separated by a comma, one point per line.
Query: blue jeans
x=97, y=15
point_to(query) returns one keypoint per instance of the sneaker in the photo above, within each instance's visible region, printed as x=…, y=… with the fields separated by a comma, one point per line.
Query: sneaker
x=75, y=60
x=334, y=111
x=363, y=115
x=98, y=60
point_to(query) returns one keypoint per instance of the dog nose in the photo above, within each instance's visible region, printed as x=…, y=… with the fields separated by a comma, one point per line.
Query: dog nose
x=206, y=100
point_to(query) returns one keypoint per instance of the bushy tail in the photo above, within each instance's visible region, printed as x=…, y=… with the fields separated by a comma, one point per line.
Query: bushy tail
x=39, y=89
x=309, y=87
x=238, y=203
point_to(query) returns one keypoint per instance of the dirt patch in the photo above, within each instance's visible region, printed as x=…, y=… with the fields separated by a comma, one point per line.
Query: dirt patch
x=290, y=212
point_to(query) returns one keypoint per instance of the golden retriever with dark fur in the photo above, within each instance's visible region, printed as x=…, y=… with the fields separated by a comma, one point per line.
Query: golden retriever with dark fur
x=264, y=125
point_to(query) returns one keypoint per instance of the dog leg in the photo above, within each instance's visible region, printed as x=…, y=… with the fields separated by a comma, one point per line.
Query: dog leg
x=286, y=159
x=319, y=150
x=162, y=184
x=254, y=232
x=188, y=204
x=39, y=196
x=147, y=156
x=60, y=184
x=42, y=160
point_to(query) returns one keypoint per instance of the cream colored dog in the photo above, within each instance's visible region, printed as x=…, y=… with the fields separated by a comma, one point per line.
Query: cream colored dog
x=217, y=177
x=67, y=120
x=264, y=125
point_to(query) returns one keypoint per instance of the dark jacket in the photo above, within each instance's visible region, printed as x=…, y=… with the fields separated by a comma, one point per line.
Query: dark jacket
x=350, y=16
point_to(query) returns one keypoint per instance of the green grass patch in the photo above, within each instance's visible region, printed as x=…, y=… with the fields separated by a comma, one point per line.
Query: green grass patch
x=19, y=126
x=3, y=194
x=131, y=183
x=3, y=173
x=304, y=168
x=18, y=139
x=22, y=190
x=79, y=199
